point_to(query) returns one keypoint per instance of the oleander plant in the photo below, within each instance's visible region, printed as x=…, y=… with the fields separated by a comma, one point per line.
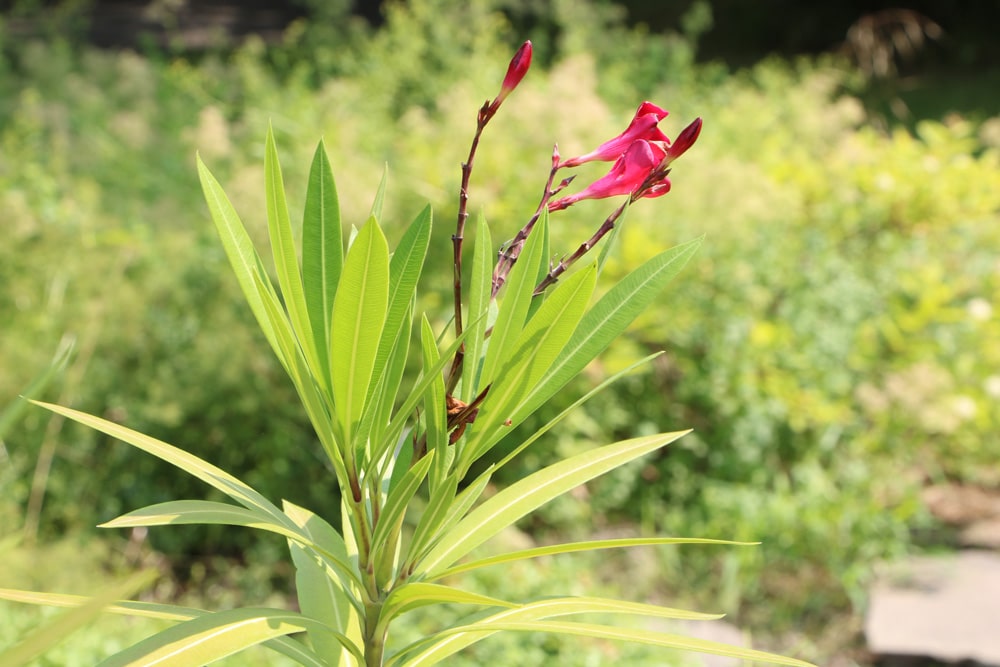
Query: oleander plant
x=409, y=417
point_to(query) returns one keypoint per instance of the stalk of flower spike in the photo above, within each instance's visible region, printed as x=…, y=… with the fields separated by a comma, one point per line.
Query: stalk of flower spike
x=513, y=249
x=553, y=275
x=516, y=70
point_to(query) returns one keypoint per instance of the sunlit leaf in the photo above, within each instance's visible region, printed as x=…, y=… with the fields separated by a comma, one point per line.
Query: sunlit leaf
x=517, y=297
x=574, y=547
x=54, y=631
x=164, y=612
x=608, y=318
x=191, y=464
x=480, y=288
x=322, y=591
x=641, y=636
x=412, y=595
x=358, y=315
x=286, y=262
x=239, y=249
x=213, y=636
x=322, y=252
x=528, y=494
x=539, y=343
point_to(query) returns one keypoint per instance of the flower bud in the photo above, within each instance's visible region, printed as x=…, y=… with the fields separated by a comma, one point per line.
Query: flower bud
x=518, y=67
x=684, y=140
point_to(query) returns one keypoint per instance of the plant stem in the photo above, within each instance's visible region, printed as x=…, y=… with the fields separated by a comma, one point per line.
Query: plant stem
x=456, y=242
x=374, y=634
x=513, y=250
x=585, y=247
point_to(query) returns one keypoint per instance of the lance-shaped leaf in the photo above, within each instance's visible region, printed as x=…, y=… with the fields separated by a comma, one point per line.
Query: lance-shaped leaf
x=516, y=302
x=211, y=637
x=480, y=288
x=526, y=495
x=413, y=595
x=295, y=650
x=608, y=318
x=539, y=343
x=435, y=409
x=57, y=629
x=181, y=512
x=323, y=593
x=285, y=260
x=189, y=463
x=405, y=268
x=592, y=630
x=358, y=316
x=429, y=650
x=574, y=547
x=398, y=500
x=239, y=249
x=322, y=253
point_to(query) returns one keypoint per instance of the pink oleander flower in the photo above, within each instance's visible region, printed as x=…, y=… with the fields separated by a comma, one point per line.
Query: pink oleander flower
x=643, y=126
x=631, y=171
x=516, y=70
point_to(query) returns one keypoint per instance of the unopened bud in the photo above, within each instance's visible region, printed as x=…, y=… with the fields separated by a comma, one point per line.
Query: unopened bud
x=518, y=67
x=684, y=140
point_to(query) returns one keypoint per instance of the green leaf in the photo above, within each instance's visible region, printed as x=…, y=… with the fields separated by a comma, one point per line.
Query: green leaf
x=413, y=595
x=322, y=252
x=435, y=514
x=376, y=211
x=641, y=636
x=191, y=464
x=402, y=415
x=166, y=612
x=526, y=495
x=308, y=391
x=57, y=629
x=207, y=512
x=405, y=268
x=541, y=341
x=480, y=287
x=435, y=408
x=516, y=302
x=323, y=592
x=398, y=501
x=608, y=318
x=285, y=261
x=358, y=317
x=380, y=416
x=538, y=433
x=188, y=512
x=239, y=248
x=214, y=636
x=573, y=547
x=10, y=414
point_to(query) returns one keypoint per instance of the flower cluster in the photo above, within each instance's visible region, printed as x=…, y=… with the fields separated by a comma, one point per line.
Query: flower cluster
x=642, y=156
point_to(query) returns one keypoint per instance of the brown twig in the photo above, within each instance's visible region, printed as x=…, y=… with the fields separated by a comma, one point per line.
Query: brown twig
x=513, y=249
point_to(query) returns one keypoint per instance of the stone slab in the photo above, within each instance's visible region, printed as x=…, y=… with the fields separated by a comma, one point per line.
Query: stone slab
x=942, y=607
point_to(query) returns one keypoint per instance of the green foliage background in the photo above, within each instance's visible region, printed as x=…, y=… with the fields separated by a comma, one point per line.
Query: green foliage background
x=830, y=343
